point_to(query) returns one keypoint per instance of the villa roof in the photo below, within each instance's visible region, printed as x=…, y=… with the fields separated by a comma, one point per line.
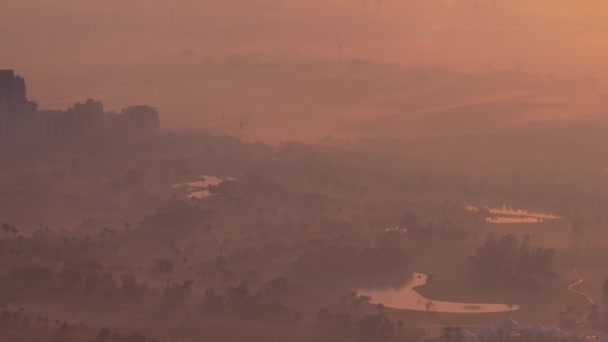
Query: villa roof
x=487, y=331
x=536, y=329
x=513, y=336
x=465, y=332
x=555, y=331
x=507, y=323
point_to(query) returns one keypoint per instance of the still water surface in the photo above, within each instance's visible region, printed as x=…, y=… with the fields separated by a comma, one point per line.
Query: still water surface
x=200, y=188
x=510, y=215
x=408, y=299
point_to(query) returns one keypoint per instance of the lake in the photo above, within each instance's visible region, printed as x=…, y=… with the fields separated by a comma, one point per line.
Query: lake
x=200, y=188
x=407, y=298
x=510, y=215
x=514, y=220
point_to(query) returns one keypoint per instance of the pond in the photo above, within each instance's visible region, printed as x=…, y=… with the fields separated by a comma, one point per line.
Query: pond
x=514, y=220
x=407, y=298
x=199, y=189
x=510, y=215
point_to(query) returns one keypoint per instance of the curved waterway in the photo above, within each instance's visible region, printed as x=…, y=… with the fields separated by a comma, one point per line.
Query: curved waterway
x=407, y=298
x=572, y=288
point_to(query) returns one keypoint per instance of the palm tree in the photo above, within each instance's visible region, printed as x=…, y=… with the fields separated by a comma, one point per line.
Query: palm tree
x=348, y=298
x=361, y=301
x=400, y=325
x=104, y=335
x=5, y=227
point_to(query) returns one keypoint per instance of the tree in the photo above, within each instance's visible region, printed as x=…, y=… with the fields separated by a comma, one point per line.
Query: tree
x=458, y=334
x=277, y=286
x=162, y=266
x=71, y=278
x=136, y=337
x=594, y=317
x=333, y=323
x=504, y=261
x=104, y=335
x=447, y=333
x=354, y=301
x=91, y=282
x=130, y=287
x=61, y=334
x=178, y=293
x=236, y=298
x=372, y=327
x=7, y=316
x=213, y=303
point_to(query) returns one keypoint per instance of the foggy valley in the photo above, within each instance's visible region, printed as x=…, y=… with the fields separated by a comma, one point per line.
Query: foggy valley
x=323, y=170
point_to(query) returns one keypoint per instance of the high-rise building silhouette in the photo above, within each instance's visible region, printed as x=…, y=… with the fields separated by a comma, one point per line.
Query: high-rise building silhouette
x=20, y=119
x=13, y=100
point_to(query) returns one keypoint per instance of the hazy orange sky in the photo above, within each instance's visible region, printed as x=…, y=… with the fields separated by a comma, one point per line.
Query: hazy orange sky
x=110, y=49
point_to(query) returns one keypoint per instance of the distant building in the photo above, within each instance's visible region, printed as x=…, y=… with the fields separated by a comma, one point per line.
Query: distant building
x=508, y=330
x=14, y=105
x=466, y=336
x=84, y=118
x=506, y=326
x=20, y=119
x=142, y=118
x=90, y=109
x=488, y=334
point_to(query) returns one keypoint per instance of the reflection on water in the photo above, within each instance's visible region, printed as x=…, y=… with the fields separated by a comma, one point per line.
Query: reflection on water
x=408, y=299
x=513, y=220
x=509, y=215
x=200, y=189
